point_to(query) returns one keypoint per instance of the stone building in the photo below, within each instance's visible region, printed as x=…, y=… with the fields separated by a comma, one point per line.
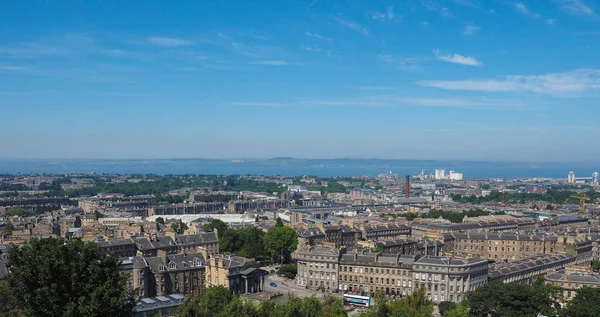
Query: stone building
x=571, y=280
x=366, y=273
x=318, y=267
x=511, y=246
x=239, y=274
x=168, y=274
x=526, y=271
x=449, y=278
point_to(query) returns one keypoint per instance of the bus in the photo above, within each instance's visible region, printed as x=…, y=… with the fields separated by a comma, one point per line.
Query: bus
x=356, y=300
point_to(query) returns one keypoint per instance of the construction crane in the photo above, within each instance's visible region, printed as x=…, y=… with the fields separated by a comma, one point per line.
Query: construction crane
x=583, y=199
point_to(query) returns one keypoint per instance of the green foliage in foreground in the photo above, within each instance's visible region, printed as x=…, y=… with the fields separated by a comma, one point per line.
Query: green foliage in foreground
x=217, y=301
x=412, y=305
x=49, y=278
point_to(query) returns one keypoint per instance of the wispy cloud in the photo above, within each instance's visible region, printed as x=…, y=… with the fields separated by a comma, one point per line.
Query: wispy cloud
x=317, y=36
x=169, y=41
x=577, y=81
x=13, y=68
x=379, y=88
x=258, y=104
x=33, y=50
x=437, y=7
x=551, y=21
x=456, y=59
x=402, y=63
x=387, y=15
x=467, y=3
x=315, y=49
x=523, y=9
x=271, y=62
x=353, y=26
x=577, y=7
x=471, y=29
x=395, y=101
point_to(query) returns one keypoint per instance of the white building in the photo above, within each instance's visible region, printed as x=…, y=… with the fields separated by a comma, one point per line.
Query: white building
x=571, y=178
x=455, y=176
x=595, y=176
x=440, y=174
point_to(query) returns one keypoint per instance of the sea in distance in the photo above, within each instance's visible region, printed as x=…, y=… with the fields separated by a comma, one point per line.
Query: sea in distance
x=296, y=167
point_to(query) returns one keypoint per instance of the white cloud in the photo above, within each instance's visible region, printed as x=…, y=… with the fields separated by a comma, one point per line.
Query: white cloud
x=402, y=63
x=551, y=21
x=436, y=7
x=13, y=68
x=577, y=7
x=387, y=15
x=425, y=23
x=271, y=62
x=257, y=104
x=317, y=36
x=314, y=49
x=353, y=26
x=521, y=7
x=471, y=29
x=576, y=81
x=456, y=59
x=169, y=42
x=394, y=101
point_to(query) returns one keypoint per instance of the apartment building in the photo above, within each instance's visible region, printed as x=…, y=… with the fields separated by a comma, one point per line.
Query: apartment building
x=364, y=272
x=177, y=243
x=339, y=236
x=526, y=271
x=384, y=231
x=318, y=267
x=449, y=278
x=427, y=228
x=239, y=274
x=511, y=246
x=168, y=274
x=122, y=247
x=570, y=281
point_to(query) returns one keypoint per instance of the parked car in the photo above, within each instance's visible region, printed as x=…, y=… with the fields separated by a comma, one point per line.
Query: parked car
x=273, y=284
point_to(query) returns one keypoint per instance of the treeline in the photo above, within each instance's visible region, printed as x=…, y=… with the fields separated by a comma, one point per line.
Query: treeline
x=276, y=245
x=508, y=299
x=453, y=217
x=551, y=196
x=217, y=301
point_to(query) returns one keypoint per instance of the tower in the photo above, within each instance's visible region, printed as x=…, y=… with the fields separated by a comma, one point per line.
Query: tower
x=595, y=176
x=571, y=178
x=407, y=187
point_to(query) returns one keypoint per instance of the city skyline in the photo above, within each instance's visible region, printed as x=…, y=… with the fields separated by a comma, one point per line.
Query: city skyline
x=447, y=80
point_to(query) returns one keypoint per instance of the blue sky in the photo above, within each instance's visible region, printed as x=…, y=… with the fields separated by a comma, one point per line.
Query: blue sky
x=448, y=79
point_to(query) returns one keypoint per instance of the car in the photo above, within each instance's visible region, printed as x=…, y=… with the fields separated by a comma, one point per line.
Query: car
x=273, y=284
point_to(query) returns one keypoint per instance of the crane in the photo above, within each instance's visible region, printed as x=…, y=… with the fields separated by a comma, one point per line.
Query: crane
x=583, y=199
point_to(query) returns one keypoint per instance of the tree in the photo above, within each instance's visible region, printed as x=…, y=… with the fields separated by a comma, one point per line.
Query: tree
x=596, y=265
x=179, y=227
x=279, y=222
x=289, y=270
x=160, y=220
x=499, y=299
x=549, y=207
x=54, y=278
x=280, y=242
x=460, y=310
x=446, y=306
x=208, y=304
x=333, y=307
x=585, y=303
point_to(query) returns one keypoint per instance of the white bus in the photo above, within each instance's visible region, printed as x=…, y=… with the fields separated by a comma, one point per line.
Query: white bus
x=356, y=300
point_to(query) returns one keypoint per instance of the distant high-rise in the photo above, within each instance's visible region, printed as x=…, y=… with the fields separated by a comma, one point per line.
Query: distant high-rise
x=571, y=178
x=455, y=176
x=595, y=176
x=440, y=174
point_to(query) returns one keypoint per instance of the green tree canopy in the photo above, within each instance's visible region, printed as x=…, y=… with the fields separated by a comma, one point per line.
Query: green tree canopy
x=585, y=303
x=280, y=242
x=51, y=277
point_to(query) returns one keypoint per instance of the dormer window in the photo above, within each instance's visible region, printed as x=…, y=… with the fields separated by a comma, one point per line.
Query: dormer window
x=172, y=265
x=161, y=268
